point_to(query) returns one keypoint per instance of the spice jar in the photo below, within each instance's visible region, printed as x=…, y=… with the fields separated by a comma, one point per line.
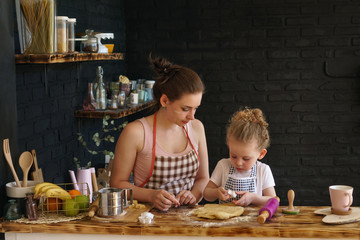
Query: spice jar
x=31, y=207
x=61, y=31
x=89, y=43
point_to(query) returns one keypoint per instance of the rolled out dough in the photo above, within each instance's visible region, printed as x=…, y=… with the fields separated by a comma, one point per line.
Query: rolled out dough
x=218, y=211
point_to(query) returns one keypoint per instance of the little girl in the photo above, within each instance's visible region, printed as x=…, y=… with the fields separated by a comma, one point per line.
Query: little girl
x=250, y=180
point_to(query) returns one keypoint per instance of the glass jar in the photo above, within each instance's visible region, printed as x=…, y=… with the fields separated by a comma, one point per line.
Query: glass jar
x=12, y=210
x=71, y=34
x=89, y=43
x=61, y=34
x=36, y=26
x=31, y=207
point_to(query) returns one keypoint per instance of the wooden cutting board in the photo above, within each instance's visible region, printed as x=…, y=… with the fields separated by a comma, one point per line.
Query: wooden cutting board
x=129, y=215
x=330, y=218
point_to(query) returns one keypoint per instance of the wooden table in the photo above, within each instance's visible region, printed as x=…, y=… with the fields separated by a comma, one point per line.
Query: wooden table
x=179, y=224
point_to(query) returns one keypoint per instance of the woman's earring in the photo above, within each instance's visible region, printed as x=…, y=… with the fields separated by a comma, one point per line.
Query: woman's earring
x=164, y=107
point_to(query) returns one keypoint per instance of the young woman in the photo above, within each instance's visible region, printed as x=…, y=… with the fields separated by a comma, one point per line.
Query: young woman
x=166, y=151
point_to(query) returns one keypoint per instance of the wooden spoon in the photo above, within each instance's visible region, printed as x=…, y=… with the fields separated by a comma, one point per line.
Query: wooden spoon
x=25, y=162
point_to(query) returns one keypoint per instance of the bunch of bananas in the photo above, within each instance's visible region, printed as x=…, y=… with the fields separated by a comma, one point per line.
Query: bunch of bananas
x=50, y=190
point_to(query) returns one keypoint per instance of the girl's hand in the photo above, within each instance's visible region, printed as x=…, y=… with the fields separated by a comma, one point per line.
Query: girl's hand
x=163, y=200
x=223, y=194
x=185, y=197
x=246, y=198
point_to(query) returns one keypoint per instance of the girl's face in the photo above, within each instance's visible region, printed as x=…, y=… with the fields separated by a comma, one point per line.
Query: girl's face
x=183, y=110
x=243, y=155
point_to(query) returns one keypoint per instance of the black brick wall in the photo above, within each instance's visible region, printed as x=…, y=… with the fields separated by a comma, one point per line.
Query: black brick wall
x=48, y=94
x=296, y=60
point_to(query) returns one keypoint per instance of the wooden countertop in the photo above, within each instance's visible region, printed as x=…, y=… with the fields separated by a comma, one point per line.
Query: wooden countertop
x=178, y=222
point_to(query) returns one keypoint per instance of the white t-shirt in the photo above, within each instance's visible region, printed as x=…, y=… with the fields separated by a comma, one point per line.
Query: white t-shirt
x=264, y=177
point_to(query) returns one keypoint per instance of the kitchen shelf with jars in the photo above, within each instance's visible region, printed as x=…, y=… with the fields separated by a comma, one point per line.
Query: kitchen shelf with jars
x=66, y=57
x=117, y=113
x=117, y=100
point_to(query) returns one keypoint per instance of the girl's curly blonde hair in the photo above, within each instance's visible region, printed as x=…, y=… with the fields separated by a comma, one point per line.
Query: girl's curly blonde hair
x=247, y=124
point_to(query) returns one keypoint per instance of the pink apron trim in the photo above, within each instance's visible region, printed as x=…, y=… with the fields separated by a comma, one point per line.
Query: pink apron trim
x=153, y=151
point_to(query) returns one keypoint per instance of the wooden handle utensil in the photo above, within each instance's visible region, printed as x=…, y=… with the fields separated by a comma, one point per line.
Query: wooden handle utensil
x=7, y=154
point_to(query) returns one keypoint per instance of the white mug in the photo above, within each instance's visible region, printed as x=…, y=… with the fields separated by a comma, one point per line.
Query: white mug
x=341, y=197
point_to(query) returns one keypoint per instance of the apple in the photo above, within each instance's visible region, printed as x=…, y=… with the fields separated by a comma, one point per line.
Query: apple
x=83, y=202
x=70, y=207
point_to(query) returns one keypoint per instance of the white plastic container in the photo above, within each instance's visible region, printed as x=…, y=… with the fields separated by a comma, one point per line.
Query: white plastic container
x=71, y=34
x=61, y=34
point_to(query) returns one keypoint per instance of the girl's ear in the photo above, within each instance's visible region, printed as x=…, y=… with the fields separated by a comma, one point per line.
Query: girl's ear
x=262, y=153
x=164, y=100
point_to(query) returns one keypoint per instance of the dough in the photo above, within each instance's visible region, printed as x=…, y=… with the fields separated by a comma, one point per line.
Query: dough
x=219, y=211
x=137, y=205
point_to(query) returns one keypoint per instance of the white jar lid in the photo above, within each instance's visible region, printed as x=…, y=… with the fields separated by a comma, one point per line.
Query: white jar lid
x=72, y=20
x=63, y=18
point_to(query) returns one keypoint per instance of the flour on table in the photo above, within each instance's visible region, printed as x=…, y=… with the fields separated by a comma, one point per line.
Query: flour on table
x=218, y=211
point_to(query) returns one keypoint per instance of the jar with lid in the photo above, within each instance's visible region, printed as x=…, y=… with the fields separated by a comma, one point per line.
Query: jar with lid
x=71, y=34
x=61, y=34
x=89, y=43
x=31, y=207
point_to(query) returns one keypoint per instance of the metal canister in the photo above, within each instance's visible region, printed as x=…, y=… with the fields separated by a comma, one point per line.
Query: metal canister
x=112, y=201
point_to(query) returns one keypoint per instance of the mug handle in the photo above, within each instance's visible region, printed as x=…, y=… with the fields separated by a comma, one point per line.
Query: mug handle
x=350, y=200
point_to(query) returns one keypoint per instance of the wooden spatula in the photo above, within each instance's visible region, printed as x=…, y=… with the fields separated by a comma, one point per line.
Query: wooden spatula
x=37, y=175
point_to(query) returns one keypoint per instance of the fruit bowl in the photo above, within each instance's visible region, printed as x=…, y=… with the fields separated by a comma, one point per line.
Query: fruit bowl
x=62, y=199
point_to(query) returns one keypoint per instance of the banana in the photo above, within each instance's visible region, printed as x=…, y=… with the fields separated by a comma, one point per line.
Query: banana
x=43, y=190
x=57, y=193
x=40, y=185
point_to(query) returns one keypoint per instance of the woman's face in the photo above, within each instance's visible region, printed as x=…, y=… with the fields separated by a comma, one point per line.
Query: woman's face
x=243, y=155
x=183, y=110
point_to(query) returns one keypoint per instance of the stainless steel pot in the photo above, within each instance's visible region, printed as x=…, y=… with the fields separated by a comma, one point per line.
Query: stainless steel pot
x=112, y=201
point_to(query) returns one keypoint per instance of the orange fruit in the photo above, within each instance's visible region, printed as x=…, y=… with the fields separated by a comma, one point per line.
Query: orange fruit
x=74, y=193
x=53, y=204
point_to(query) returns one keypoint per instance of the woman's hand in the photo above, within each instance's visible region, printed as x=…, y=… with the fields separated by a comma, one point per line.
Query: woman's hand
x=185, y=197
x=163, y=200
x=246, y=199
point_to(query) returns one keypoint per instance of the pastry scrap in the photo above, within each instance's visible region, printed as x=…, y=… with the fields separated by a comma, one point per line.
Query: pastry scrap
x=137, y=205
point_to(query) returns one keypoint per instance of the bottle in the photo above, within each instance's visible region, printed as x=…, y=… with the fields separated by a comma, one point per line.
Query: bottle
x=89, y=103
x=71, y=34
x=31, y=207
x=12, y=210
x=121, y=99
x=107, y=161
x=100, y=91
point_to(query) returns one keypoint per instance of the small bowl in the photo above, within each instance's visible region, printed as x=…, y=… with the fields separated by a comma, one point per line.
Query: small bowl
x=12, y=191
x=110, y=47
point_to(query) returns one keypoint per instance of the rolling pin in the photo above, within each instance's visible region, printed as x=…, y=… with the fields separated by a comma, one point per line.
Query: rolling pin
x=94, y=205
x=267, y=211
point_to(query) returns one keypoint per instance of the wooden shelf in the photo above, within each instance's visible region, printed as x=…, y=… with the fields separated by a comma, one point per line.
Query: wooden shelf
x=63, y=58
x=114, y=114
